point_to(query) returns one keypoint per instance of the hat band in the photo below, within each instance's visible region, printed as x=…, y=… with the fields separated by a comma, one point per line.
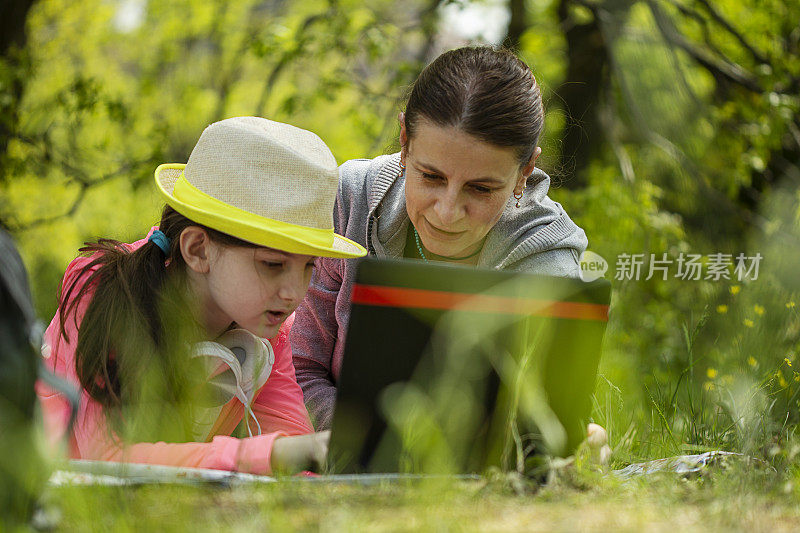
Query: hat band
x=246, y=225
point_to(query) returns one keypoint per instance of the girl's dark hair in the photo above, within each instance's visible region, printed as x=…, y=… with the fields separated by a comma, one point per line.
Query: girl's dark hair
x=135, y=322
x=486, y=92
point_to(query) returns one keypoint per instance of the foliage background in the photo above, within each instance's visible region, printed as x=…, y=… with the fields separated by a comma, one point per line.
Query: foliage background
x=672, y=126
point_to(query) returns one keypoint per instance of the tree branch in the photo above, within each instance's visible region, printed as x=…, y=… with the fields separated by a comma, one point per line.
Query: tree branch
x=758, y=56
x=700, y=19
x=287, y=57
x=723, y=70
x=428, y=18
x=84, y=185
x=74, y=174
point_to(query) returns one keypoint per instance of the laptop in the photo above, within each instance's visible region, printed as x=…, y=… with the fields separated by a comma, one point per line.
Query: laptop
x=453, y=369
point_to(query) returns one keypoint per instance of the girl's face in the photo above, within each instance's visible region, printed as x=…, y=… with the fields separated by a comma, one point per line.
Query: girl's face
x=457, y=186
x=255, y=288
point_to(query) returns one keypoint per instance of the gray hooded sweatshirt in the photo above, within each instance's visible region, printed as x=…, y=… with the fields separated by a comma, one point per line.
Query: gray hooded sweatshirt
x=370, y=209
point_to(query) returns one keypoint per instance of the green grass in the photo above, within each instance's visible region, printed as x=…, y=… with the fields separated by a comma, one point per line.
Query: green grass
x=735, y=499
x=691, y=410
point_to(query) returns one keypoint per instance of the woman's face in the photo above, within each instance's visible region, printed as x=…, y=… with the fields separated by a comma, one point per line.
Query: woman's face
x=457, y=186
x=256, y=288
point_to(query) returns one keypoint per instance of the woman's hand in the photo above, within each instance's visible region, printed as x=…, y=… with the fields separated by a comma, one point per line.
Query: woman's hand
x=300, y=452
x=597, y=439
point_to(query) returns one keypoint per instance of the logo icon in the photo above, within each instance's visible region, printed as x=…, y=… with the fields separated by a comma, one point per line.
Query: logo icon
x=593, y=266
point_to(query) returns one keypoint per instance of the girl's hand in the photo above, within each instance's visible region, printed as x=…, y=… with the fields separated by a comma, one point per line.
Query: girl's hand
x=300, y=452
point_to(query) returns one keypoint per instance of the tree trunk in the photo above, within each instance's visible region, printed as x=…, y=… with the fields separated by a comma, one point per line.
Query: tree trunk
x=517, y=24
x=580, y=94
x=13, y=15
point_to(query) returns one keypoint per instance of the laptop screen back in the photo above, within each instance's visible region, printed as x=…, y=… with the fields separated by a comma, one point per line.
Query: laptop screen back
x=454, y=369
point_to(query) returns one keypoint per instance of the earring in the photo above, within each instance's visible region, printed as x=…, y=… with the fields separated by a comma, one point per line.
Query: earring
x=402, y=170
x=518, y=197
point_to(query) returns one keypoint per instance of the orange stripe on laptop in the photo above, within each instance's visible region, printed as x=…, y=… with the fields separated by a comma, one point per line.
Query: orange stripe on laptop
x=379, y=295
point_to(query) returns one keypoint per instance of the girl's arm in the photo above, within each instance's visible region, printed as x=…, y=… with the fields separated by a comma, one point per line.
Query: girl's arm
x=252, y=455
x=280, y=411
x=91, y=439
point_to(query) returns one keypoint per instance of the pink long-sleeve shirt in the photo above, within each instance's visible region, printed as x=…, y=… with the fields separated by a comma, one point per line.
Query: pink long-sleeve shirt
x=278, y=406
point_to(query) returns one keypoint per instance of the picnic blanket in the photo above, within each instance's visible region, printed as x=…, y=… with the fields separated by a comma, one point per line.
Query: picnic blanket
x=82, y=472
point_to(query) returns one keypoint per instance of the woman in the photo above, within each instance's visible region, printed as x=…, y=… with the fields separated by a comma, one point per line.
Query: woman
x=463, y=189
x=164, y=335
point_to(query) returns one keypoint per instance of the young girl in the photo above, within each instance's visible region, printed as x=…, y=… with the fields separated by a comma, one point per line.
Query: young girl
x=230, y=261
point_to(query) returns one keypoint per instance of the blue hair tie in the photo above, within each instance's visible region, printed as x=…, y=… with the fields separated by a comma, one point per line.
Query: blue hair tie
x=160, y=240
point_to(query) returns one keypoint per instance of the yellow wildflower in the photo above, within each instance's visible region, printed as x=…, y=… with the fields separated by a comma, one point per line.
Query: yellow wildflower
x=758, y=309
x=787, y=361
x=708, y=386
x=796, y=376
x=735, y=289
x=782, y=382
x=749, y=323
x=711, y=373
x=752, y=361
x=722, y=309
x=789, y=305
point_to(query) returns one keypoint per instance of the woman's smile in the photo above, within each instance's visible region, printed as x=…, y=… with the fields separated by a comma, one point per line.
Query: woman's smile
x=440, y=233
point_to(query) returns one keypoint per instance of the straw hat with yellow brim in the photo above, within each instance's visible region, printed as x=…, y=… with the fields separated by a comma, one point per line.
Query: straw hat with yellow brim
x=263, y=182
